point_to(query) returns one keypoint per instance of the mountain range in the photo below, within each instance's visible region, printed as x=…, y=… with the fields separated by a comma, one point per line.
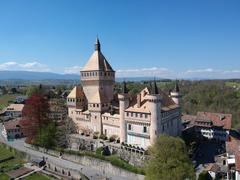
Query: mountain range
x=38, y=76
x=30, y=75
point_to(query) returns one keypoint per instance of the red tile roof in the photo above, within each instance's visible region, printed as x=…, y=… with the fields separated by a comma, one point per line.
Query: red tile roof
x=218, y=119
x=237, y=162
x=233, y=146
x=12, y=124
x=209, y=119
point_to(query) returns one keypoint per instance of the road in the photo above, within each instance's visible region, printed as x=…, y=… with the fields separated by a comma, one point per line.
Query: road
x=87, y=171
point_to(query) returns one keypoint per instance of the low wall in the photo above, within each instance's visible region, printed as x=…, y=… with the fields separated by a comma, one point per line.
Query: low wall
x=66, y=173
x=98, y=164
x=134, y=156
x=103, y=166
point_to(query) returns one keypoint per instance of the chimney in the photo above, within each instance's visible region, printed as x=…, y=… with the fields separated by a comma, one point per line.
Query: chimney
x=139, y=100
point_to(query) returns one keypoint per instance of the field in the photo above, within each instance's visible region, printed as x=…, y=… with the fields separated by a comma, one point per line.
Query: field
x=6, y=99
x=233, y=84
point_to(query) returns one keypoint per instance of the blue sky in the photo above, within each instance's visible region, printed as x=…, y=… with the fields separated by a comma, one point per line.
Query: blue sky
x=176, y=39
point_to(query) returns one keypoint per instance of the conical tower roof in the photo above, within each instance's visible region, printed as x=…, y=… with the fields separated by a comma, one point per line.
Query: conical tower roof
x=176, y=88
x=124, y=88
x=97, y=62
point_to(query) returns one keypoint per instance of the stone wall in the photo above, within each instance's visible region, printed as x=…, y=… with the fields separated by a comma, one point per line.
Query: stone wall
x=103, y=166
x=63, y=172
x=133, y=155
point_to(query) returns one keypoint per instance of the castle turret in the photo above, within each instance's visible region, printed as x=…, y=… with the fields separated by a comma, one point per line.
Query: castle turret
x=175, y=94
x=123, y=104
x=154, y=102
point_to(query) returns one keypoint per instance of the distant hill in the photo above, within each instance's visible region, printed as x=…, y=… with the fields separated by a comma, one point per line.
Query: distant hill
x=39, y=76
x=29, y=75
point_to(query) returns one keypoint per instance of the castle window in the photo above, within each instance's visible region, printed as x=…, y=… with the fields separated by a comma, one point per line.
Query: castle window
x=93, y=105
x=136, y=115
x=140, y=115
x=127, y=114
x=129, y=127
x=131, y=114
x=144, y=129
x=97, y=105
x=146, y=116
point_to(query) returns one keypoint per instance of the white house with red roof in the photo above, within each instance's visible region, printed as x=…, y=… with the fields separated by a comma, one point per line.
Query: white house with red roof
x=12, y=129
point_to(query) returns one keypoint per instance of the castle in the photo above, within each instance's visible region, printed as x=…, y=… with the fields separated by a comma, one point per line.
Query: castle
x=135, y=119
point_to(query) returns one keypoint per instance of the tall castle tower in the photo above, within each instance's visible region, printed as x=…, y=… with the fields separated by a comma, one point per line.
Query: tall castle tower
x=154, y=99
x=123, y=104
x=175, y=94
x=97, y=79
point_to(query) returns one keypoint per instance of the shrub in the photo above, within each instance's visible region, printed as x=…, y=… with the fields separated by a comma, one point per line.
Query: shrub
x=95, y=135
x=113, y=138
x=99, y=150
x=103, y=137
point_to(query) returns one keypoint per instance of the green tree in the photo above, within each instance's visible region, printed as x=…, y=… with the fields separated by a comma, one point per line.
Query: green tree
x=47, y=136
x=32, y=90
x=169, y=160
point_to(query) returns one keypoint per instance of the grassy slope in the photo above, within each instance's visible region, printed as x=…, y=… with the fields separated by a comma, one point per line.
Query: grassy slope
x=4, y=176
x=11, y=164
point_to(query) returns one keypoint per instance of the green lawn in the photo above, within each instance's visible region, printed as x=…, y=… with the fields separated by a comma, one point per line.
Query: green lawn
x=37, y=176
x=4, y=152
x=4, y=176
x=5, y=99
x=13, y=163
